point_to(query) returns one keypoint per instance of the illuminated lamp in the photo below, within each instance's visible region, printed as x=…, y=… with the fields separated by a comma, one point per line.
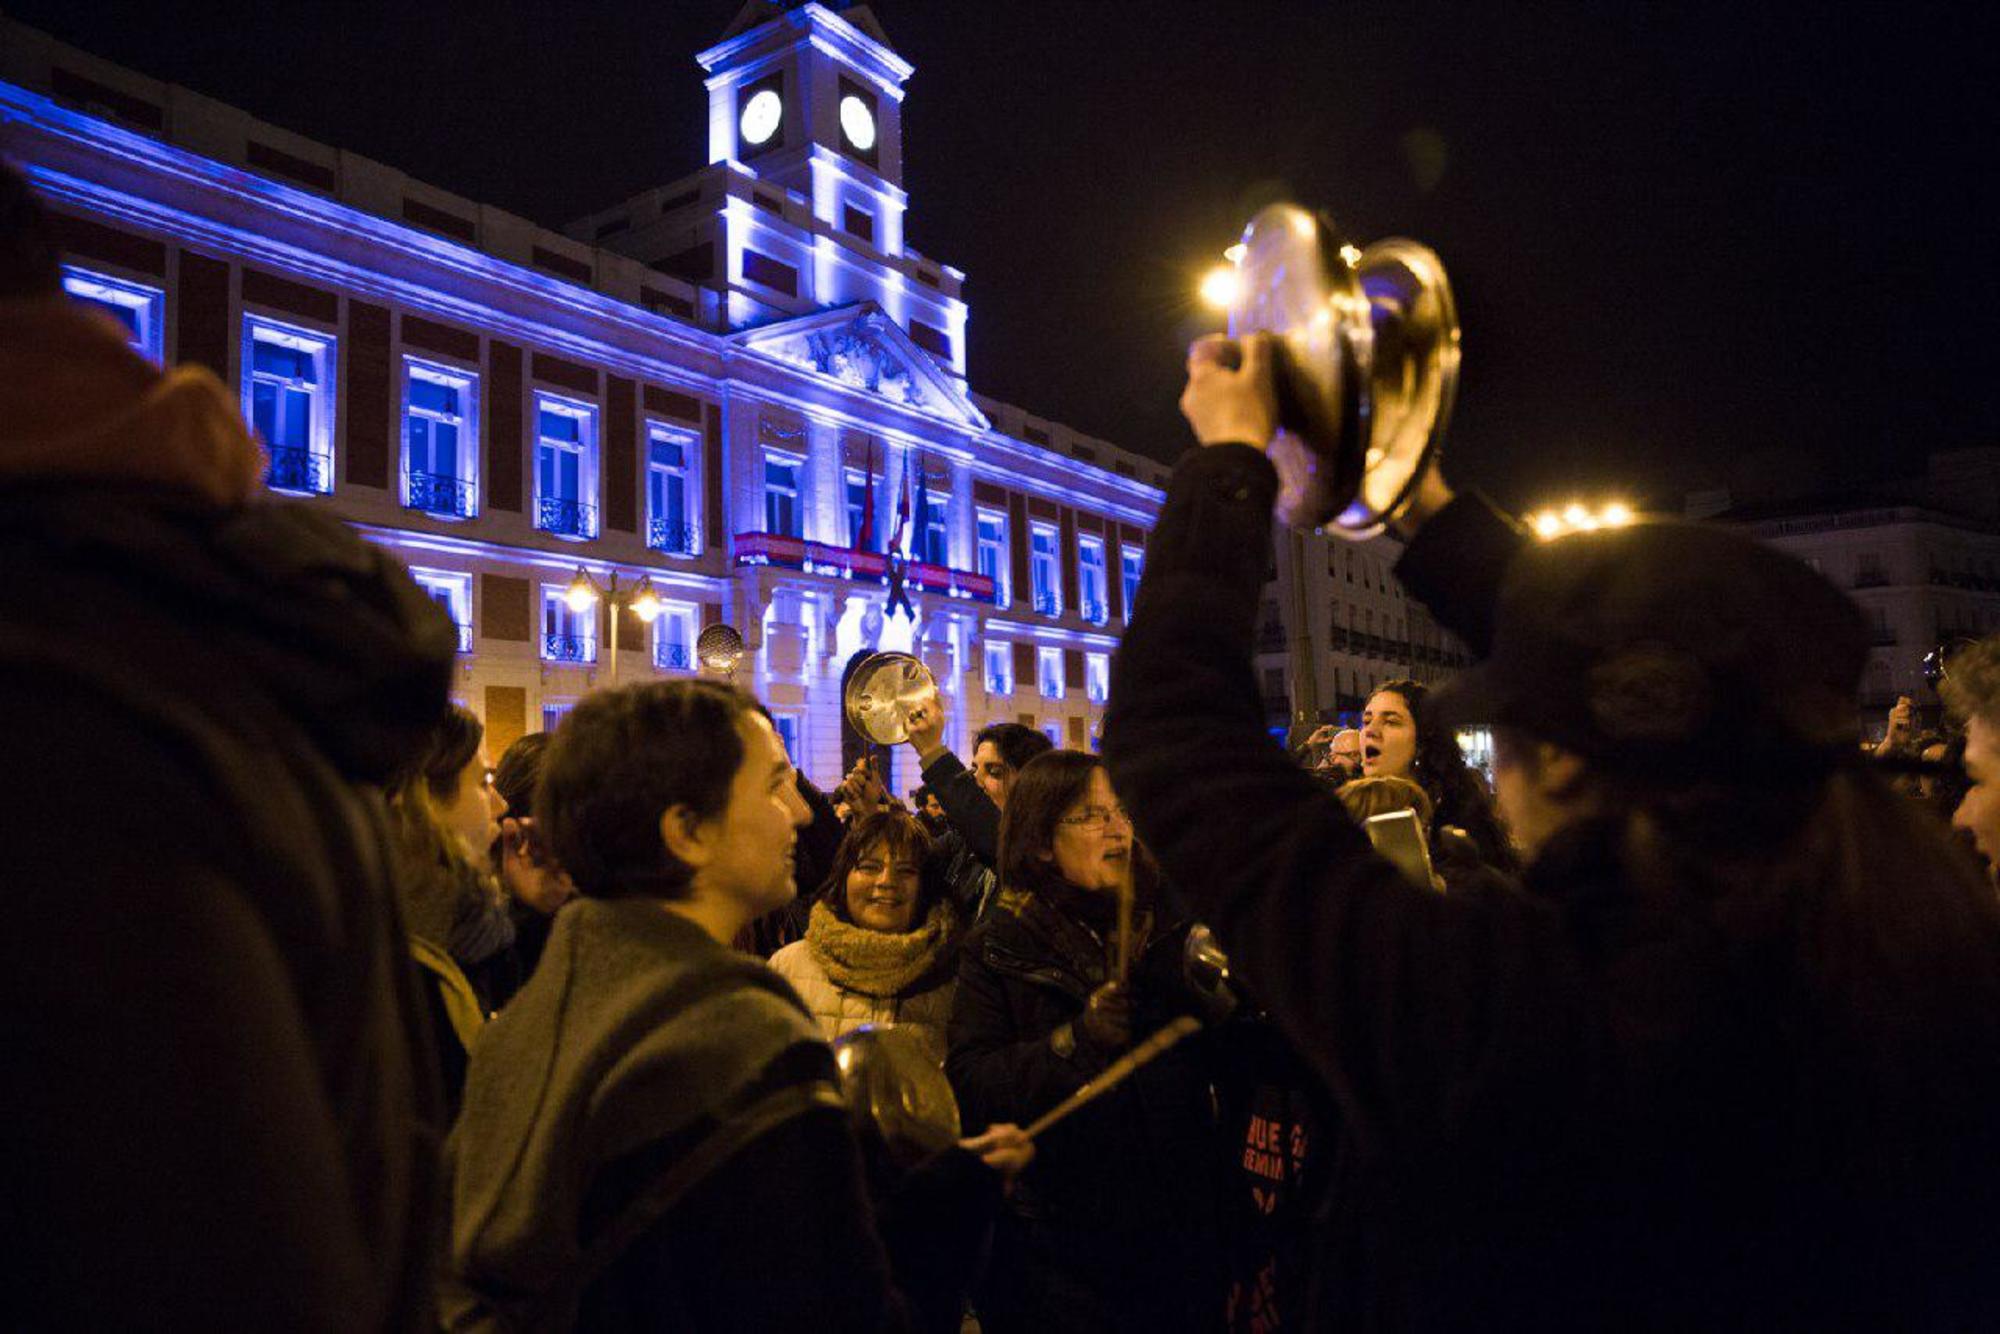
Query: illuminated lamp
x=581, y=593
x=1220, y=287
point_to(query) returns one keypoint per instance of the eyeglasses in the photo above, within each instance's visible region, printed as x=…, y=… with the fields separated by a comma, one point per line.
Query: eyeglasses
x=1095, y=818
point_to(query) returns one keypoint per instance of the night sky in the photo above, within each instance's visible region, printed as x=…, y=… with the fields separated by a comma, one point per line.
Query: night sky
x=1684, y=238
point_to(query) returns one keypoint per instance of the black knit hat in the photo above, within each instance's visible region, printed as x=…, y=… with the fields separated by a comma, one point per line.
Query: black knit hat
x=1668, y=649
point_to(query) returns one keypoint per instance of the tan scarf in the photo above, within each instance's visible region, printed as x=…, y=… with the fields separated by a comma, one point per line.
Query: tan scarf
x=877, y=963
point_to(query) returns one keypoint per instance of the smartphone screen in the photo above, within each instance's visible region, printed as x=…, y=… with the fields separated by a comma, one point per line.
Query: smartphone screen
x=1399, y=840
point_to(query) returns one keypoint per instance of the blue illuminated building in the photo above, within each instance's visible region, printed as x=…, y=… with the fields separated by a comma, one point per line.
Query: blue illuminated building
x=742, y=385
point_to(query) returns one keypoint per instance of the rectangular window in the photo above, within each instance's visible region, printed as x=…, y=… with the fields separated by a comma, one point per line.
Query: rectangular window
x=761, y=268
x=554, y=711
x=568, y=635
x=453, y=592
x=855, y=485
x=288, y=396
x=858, y=222
x=933, y=541
x=1053, y=731
x=139, y=310
x=1090, y=578
x=791, y=730
x=1044, y=570
x=669, y=519
x=782, y=513
x=999, y=668
x=992, y=554
x=1097, y=677
x=565, y=467
x=1131, y=564
x=1049, y=670
x=673, y=639
x=440, y=440
x=934, y=341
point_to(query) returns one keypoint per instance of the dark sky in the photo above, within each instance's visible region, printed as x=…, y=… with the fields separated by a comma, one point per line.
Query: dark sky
x=1682, y=236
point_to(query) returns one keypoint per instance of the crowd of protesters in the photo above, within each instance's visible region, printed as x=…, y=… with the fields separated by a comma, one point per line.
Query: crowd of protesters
x=1689, y=1019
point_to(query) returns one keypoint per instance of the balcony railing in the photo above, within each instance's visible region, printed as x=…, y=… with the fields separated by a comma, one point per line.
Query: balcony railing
x=1047, y=603
x=438, y=493
x=1277, y=707
x=676, y=539
x=299, y=470
x=569, y=648
x=673, y=657
x=1095, y=611
x=565, y=518
x=999, y=685
x=1881, y=638
x=1871, y=579
x=794, y=553
x=464, y=635
x=1271, y=639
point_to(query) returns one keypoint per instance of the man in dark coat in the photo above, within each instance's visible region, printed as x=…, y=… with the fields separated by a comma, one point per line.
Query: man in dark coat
x=653, y=1135
x=220, y=1109
x=1729, y=1063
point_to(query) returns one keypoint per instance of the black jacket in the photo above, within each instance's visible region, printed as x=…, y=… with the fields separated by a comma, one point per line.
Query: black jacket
x=1113, y=1226
x=967, y=853
x=223, y=1107
x=1573, y=1107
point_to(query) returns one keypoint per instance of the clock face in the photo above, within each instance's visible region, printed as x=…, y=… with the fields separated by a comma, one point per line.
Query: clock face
x=761, y=116
x=857, y=122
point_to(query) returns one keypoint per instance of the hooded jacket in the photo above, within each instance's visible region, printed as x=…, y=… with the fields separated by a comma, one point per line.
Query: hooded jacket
x=228, y=1104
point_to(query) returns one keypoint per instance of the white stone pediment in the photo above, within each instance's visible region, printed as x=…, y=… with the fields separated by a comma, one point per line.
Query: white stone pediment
x=861, y=347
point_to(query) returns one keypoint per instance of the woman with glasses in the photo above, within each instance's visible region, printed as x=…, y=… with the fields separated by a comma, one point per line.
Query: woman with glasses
x=880, y=942
x=1114, y=1227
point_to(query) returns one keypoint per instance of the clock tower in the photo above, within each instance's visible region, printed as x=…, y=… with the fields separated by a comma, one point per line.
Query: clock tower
x=811, y=99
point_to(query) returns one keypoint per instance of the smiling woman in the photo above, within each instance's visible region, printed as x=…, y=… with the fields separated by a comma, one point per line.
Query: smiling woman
x=881, y=944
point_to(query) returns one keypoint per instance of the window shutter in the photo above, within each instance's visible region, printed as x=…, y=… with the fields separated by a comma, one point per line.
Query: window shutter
x=370, y=392
x=621, y=454
x=1024, y=666
x=1073, y=669
x=502, y=409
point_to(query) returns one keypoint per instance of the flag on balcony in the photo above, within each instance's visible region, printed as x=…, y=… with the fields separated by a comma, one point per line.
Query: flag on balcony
x=898, y=540
x=864, y=540
x=923, y=513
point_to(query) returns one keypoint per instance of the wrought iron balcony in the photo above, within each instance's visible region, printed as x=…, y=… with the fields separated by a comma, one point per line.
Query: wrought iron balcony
x=569, y=648
x=299, y=470
x=464, y=635
x=565, y=518
x=1047, y=602
x=1095, y=611
x=438, y=493
x=676, y=539
x=999, y=685
x=1277, y=707
x=673, y=657
x=1271, y=639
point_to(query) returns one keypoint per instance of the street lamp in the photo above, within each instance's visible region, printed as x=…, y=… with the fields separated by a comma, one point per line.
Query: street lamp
x=639, y=598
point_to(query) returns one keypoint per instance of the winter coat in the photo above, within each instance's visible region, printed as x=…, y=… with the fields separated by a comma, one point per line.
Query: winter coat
x=1586, y=1105
x=1114, y=1225
x=881, y=978
x=225, y=1111
x=653, y=1138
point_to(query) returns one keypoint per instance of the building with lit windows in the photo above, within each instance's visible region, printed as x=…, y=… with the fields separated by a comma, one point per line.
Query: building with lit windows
x=1334, y=625
x=1919, y=555
x=742, y=387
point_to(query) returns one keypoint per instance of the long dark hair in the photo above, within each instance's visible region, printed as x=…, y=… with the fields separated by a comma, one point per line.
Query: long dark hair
x=1457, y=796
x=1043, y=793
x=898, y=833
